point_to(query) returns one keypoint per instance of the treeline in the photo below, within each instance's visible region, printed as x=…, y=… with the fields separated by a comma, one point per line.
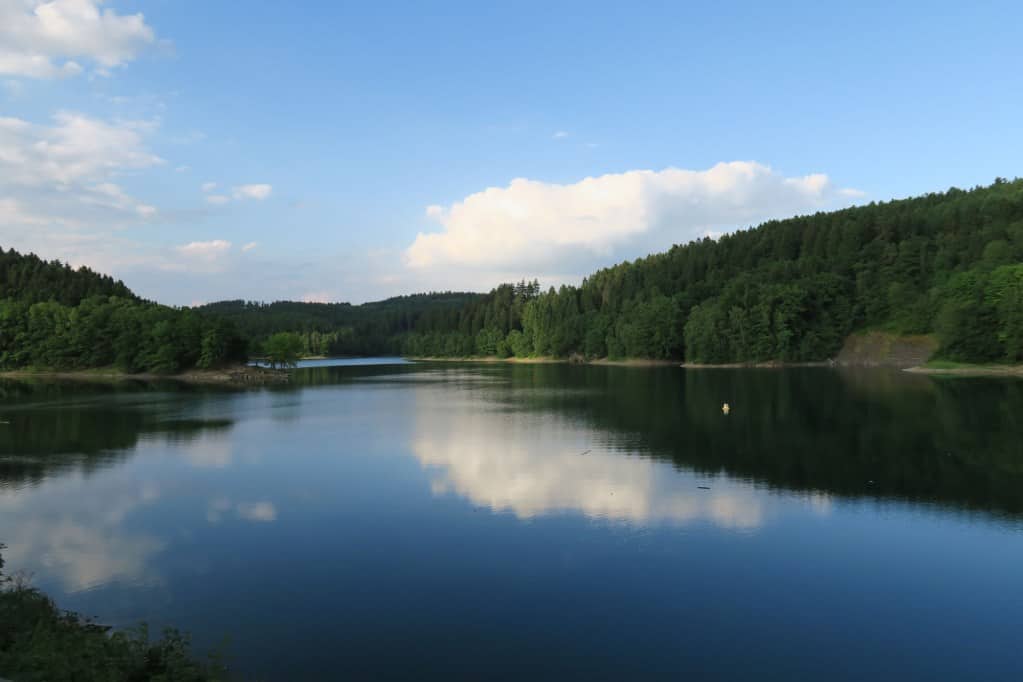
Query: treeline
x=56, y=318
x=343, y=328
x=789, y=290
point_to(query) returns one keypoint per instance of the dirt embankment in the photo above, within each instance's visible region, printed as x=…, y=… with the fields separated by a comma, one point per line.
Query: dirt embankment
x=882, y=349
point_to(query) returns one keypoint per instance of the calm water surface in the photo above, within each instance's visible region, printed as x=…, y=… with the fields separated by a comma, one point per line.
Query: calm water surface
x=545, y=522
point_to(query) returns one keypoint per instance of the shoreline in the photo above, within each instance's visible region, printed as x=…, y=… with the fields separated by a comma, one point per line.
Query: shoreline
x=631, y=362
x=771, y=364
x=251, y=375
x=979, y=370
x=231, y=376
x=546, y=360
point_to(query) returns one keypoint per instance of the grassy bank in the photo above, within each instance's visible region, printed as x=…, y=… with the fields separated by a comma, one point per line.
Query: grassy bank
x=949, y=367
x=38, y=641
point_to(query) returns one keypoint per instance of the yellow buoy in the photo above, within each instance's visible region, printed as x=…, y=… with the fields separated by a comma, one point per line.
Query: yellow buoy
x=725, y=408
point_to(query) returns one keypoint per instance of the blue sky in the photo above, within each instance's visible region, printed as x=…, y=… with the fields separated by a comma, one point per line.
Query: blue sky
x=364, y=150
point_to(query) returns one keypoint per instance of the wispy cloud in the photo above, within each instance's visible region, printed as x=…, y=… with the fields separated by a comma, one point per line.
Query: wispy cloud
x=205, y=250
x=76, y=148
x=256, y=191
x=60, y=182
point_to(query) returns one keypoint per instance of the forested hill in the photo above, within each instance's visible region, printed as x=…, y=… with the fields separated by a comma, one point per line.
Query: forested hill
x=53, y=317
x=791, y=290
x=343, y=328
x=948, y=264
x=31, y=279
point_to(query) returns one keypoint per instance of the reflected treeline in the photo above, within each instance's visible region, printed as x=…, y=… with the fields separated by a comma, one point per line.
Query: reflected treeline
x=884, y=434
x=854, y=432
x=857, y=433
x=50, y=427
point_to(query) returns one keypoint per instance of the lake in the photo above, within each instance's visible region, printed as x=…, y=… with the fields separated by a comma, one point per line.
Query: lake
x=445, y=521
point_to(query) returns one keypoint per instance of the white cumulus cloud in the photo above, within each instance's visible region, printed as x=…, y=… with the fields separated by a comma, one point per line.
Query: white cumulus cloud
x=44, y=39
x=257, y=191
x=537, y=228
x=217, y=199
x=208, y=186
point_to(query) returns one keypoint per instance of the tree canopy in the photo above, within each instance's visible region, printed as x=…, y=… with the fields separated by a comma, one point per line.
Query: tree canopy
x=54, y=317
x=284, y=349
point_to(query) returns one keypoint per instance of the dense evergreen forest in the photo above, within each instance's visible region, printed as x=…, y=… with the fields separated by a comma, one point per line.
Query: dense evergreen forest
x=58, y=318
x=343, y=328
x=789, y=290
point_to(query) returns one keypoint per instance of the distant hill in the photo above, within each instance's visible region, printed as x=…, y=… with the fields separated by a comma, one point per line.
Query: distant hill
x=343, y=328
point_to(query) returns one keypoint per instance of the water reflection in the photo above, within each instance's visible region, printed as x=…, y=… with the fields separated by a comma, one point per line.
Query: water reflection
x=260, y=512
x=860, y=433
x=78, y=535
x=623, y=502
x=208, y=451
x=54, y=427
x=532, y=465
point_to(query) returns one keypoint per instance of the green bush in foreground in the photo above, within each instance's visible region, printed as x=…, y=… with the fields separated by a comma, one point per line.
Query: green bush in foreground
x=40, y=642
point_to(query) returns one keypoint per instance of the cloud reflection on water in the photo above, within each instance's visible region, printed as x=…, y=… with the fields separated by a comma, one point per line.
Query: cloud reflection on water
x=80, y=539
x=262, y=511
x=532, y=464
